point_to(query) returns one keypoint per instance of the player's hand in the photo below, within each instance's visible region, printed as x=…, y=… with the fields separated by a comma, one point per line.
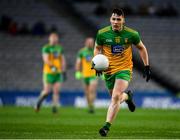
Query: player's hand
x=92, y=65
x=64, y=76
x=102, y=77
x=53, y=69
x=147, y=73
x=98, y=73
x=78, y=75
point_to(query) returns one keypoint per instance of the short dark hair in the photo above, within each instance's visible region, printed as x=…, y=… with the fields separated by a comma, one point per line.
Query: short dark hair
x=118, y=11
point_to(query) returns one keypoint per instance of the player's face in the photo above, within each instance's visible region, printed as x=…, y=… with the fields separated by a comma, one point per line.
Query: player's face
x=117, y=22
x=89, y=42
x=53, y=39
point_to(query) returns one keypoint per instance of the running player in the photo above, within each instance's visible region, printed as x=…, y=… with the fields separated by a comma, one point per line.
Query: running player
x=53, y=72
x=83, y=70
x=116, y=42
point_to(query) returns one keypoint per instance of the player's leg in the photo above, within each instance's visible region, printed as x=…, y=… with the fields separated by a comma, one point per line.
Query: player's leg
x=129, y=99
x=127, y=75
x=86, y=91
x=47, y=85
x=118, y=96
x=56, y=92
x=130, y=102
x=92, y=94
x=128, y=96
x=110, y=92
x=44, y=93
x=119, y=83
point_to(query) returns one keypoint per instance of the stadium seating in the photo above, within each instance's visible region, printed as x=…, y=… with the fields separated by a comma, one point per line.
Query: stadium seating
x=20, y=57
x=24, y=53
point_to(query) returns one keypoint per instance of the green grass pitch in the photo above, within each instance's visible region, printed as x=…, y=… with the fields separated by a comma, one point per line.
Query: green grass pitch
x=23, y=122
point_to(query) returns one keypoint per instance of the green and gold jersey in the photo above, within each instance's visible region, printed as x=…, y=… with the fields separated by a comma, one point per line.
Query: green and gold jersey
x=117, y=46
x=55, y=56
x=86, y=55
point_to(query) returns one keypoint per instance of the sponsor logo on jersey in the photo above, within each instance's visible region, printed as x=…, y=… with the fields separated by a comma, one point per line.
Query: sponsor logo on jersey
x=109, y=40
x=117, y=49
x=88, y=58
x=56, y=54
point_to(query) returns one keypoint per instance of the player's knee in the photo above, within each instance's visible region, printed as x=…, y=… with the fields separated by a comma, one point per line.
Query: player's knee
x=45, y=92
x=56, y=90
x=92, y=89
x=116, y=97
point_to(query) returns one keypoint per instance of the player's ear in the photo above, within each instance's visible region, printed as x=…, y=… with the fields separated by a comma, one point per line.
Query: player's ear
x=123, y=20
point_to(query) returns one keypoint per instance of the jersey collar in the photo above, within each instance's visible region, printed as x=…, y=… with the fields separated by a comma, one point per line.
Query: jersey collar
x=117, y=32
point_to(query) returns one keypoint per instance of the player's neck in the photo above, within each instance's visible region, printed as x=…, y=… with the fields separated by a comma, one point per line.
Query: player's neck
x=119, y=30
x=89, y=48
x=52, y=44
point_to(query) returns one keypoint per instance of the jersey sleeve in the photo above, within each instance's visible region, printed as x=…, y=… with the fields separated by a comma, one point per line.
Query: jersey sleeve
x=45, y=50
x=99, y=39
x=136, y=38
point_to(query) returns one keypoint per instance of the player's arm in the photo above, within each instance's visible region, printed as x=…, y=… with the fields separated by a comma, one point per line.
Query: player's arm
x=78, y=74
x=144, y=56
x=78, y=64
x=97, y=49
x=48, y=62
x=63, y=63
x=63, y=66
x=45, y=56
x=143, y=53
x=98, y=44
x=46, y=59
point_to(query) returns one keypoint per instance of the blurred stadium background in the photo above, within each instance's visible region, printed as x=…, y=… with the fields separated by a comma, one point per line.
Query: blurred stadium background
x=25, y=25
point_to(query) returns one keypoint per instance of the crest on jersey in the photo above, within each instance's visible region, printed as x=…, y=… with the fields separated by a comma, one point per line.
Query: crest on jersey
x=117, y=39
x=126, y=40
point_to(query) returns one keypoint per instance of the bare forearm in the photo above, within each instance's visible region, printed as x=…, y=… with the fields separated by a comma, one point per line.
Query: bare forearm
x=63, y=64
x=78, y=65
x=97, y=50
x=144, y=56
x=49, y=63
x=46, y=61
x=143, y=53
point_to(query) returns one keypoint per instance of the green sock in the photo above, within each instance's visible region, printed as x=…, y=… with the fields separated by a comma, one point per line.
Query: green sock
x=91, y=107
x=107, y=125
